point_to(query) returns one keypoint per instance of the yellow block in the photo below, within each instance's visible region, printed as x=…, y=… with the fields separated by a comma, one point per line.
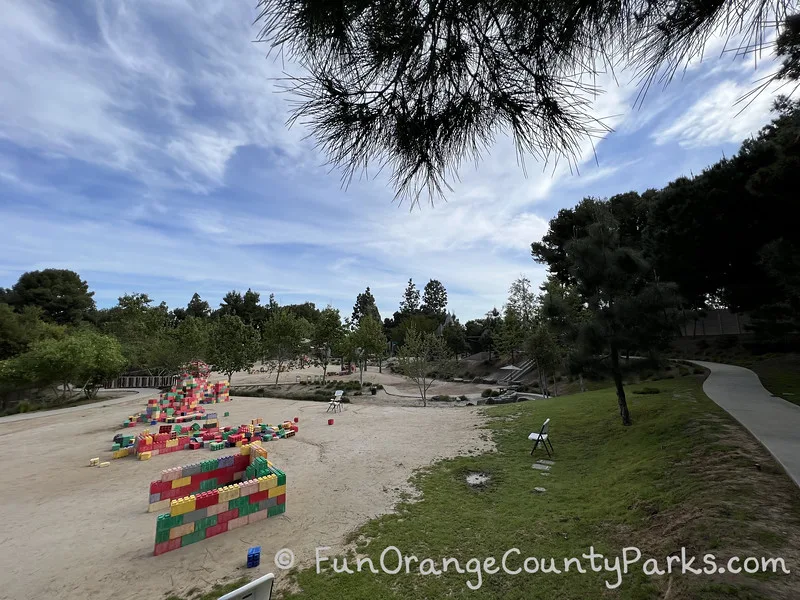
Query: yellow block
x=94, y=462
x=239, y=444
x=182, y=506
x=172, y=443
x=255, y=443
x=145, y=455
x=267, y=482
x=176, y=483
x=245, y=450
x=277, y=491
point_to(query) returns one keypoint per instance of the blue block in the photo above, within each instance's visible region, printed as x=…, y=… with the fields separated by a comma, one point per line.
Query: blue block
x=153, y=422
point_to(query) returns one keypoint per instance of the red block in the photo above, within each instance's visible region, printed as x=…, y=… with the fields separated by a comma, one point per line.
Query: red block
x=258, y=496
x=281, y=499
x=217, y=529
x=174, y=544
x=211, y=497
x=226, y=516
x=161, y=548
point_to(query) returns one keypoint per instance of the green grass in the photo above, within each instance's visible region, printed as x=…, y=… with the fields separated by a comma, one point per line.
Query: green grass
x=780, y=374
x=218, y=590
x=682, y=475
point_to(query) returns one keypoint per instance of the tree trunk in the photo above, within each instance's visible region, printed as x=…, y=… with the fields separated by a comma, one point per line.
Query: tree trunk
x=278, y=373
x=380, y=364
x=230, y=377
x=362, y=365
x=580, y=380
x=617, y=374
x=555, y=385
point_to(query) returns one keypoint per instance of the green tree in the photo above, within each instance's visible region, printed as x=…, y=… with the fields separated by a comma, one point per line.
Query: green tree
x=62, y=295
x=411, y=299
x=542, y=349
x=512, y=334
x=434, y=298
x=455, y=338
x=325, y=336
x=364, y=306
x=625, y=307
x=233, y=345
x=369, y=342
x=198, y=307
x=428, y=85
x=522, y=302
x=86, y=358
x=192, y=339
x=145, y=332
x=282, y=339
x=424, y=358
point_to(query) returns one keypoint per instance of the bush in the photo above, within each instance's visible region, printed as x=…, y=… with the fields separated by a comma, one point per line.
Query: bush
x=442, y=398
x=698, y=371
x=260, y=391
x=647, y=390
x=379, y=386
x=476, y=380
x=366, y=384
x=463, y=398
x=495, y=393
x=486, y=393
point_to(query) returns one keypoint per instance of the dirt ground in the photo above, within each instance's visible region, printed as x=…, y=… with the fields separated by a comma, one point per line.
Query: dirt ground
x=398, y=385
x=73, y=531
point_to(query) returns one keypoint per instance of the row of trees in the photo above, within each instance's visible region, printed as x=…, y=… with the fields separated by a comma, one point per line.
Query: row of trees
x=52, y=312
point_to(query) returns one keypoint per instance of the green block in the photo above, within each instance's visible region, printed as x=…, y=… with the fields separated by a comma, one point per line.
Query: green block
x=193, y=537
x=274, y=510
x=114, y=447
x=162, y=536
x=281, y=478
x=166, y=522
x=208, y=484
x=227, y=414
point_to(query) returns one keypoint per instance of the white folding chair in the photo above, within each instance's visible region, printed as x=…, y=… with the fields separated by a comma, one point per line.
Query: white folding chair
x=542, y=437
x=336, y=402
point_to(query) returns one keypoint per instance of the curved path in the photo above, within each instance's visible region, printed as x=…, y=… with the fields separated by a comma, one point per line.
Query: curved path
x=772, y=420
x=136, y=394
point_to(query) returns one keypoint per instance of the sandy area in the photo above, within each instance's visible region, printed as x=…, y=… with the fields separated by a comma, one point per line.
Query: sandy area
x=403, y=390
x=72, y=531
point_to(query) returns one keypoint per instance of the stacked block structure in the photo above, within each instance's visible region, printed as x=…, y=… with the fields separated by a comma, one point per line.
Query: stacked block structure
x=222, y=494
x=183, y=402
x=171, y=438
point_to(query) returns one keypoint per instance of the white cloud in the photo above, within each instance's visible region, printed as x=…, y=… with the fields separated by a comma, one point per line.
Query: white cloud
x=170, y=95
x=719, y=117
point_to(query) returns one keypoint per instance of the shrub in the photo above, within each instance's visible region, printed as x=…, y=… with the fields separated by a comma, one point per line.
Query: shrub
x=495, y=393
x=698, y=371
x=486, y=393
x=442, y=398
x=463, y=398
x=379, y=386
x=647, y=390
x=366, y=384
x=476, y=380
x=260, y=391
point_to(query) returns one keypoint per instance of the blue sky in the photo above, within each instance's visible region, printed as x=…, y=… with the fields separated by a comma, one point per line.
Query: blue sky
x=143, y=144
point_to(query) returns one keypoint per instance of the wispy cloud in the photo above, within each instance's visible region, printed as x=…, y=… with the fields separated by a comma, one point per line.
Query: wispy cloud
x=143, y=144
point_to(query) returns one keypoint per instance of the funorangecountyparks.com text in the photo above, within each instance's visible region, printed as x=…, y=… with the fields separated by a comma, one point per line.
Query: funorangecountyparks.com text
x=393, y=561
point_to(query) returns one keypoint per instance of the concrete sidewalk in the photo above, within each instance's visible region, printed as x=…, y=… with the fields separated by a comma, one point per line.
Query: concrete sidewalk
x=772, y=420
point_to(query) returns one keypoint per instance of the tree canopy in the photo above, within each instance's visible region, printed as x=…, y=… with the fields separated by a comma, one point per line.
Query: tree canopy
x=421, y=86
